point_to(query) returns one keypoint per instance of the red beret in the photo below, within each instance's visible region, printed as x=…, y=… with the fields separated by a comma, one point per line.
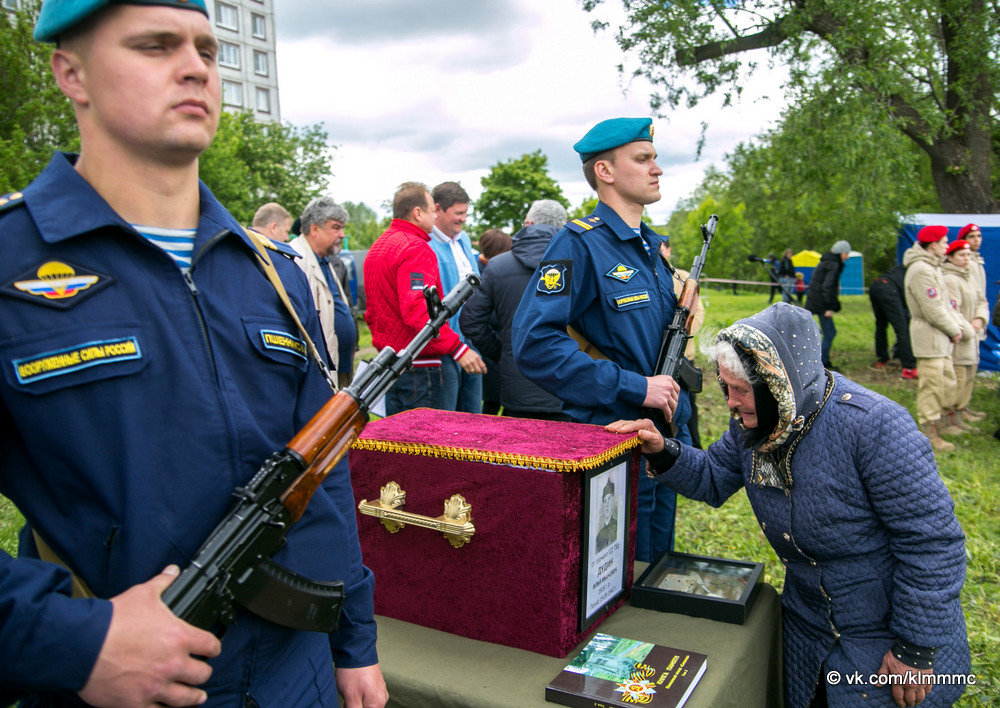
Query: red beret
x=930, y=234
x=966, y=229
x=957, y=246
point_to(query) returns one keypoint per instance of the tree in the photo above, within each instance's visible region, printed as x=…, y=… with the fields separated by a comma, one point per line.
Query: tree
x=929, y=66
x=835, y=168
x=511, y=187
x=35, y=117
x=251, y=163
x=364, y=226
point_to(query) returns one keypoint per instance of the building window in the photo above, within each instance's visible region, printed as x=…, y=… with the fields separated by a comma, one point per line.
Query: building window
x=227, y=16
x=232, y=93
x=260, y=63
x=259, y=27
x=229, y=55
x=263, y=100
x=10, y=4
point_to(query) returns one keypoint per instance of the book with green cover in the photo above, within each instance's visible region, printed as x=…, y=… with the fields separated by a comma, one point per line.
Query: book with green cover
x=613, y=671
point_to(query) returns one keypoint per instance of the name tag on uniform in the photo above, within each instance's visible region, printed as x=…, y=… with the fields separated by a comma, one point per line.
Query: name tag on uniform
x=627, y=300
x=283, y=342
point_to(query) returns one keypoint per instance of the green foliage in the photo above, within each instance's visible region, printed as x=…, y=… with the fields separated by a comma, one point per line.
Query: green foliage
x=734, y=238
x=364, y=226
x=35, y=117
x=511, y=187
x=835, y=168
x=586, y=208
x=928, y=68
x=251, y=163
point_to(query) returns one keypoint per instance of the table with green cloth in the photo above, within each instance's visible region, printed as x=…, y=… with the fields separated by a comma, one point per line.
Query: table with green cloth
x=425, y=667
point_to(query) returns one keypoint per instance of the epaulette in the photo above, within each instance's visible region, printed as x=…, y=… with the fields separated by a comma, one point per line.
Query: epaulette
x=586, y=224
x=9, y=201
x=262, y=240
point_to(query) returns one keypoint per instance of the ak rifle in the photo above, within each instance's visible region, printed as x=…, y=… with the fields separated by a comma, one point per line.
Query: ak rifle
x=671, y=360
x=234, y=566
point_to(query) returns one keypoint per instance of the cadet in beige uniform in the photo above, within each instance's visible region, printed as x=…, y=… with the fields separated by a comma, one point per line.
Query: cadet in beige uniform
x=934, y=327
x=964, y=297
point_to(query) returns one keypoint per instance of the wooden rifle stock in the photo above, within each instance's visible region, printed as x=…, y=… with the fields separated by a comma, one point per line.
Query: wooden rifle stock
x=321, y=444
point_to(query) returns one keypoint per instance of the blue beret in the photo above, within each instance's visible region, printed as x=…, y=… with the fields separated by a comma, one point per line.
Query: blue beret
x=612, y=133
x=57, y=16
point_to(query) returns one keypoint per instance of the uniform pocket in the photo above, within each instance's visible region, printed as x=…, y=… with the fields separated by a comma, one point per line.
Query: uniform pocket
x=272, y=339
x=46, y=362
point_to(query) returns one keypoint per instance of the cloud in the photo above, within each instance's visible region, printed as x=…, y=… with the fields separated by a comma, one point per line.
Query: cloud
x=374, y=22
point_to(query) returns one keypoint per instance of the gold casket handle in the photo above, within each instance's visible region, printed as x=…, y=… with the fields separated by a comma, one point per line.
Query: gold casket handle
x=455, y=523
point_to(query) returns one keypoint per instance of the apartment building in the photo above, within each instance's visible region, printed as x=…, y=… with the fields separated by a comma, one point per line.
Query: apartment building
x=247, y=64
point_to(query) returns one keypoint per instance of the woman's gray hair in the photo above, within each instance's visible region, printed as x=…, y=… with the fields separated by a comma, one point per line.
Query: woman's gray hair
x=321, y=210
x=548, y=212
x=723, y=353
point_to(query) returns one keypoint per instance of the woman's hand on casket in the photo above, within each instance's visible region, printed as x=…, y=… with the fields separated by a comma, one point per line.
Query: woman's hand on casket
x=652, y=441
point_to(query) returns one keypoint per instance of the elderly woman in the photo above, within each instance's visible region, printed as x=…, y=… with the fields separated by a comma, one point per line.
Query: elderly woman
x=964, y=297
x=847, y=493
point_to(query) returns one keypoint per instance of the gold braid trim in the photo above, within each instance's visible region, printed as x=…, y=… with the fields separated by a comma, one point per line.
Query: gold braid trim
x=498, y=458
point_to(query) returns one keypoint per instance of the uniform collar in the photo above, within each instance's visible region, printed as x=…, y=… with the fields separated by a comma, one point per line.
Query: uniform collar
x=622, y=230
x=63, y=205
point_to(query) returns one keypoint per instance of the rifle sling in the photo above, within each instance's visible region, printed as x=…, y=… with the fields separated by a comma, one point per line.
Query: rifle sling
x=45, y=552
x=261, y=245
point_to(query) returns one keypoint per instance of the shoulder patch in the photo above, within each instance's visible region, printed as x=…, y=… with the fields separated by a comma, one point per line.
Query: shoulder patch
x=9, y=201
x=57, y=284
x=553, y=277
x=585, y=224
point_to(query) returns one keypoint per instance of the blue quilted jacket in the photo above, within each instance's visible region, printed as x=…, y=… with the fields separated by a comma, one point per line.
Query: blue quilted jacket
x=857, y=513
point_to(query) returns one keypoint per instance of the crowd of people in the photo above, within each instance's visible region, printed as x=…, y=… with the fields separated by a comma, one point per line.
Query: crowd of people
x=156, y=353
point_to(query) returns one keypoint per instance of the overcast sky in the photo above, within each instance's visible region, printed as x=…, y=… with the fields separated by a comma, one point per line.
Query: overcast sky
x=444, y=89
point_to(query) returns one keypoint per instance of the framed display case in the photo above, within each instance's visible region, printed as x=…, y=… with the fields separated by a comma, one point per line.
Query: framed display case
x=700, y=586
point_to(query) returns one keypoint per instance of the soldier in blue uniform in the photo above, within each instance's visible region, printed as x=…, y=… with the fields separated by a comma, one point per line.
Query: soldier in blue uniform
x=589, y=327
x=149, y=368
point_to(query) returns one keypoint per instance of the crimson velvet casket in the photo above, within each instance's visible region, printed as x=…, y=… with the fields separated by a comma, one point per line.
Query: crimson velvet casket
x=503, y=560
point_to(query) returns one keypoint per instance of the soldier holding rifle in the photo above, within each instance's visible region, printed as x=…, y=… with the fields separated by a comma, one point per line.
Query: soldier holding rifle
x=602, y=282
x=149, y=368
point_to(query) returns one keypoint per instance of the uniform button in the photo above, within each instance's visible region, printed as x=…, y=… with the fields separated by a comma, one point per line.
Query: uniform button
x=812, y=563
x=846, y=397
x=763, y=526
x=864, y=695
x=786, y=537
x=784, y=561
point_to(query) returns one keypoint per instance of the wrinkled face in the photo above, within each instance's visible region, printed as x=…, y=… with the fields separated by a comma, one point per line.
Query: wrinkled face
x=975, y=239
x=739, y=397
x=451, y=220
x=148, y=80
x=325, y=238
x=960, y=258
x=636, y=174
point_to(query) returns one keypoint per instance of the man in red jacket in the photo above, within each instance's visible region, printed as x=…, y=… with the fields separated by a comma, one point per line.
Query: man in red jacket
x=398, y=266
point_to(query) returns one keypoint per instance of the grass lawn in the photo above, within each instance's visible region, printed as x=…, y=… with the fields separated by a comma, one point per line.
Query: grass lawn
x=971, y=473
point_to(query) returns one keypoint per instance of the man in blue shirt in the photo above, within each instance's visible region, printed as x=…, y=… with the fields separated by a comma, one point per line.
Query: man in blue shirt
x=460, y=390
x=149, y=368
x=589, y=326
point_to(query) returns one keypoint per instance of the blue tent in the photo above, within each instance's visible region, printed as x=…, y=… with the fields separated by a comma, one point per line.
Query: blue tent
x=989, y=224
